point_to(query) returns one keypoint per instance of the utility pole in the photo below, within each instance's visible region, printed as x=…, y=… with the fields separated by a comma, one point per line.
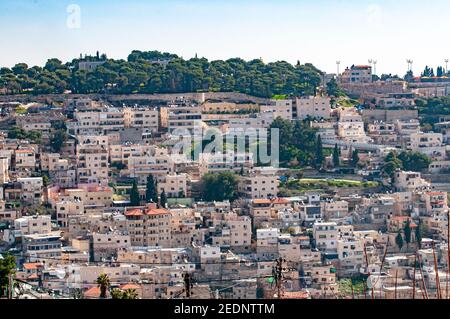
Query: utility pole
x=448, y=252
x=414, y=278
x=278, y=274
x=10, y=286
x=368, y=270
x=187, y=285
x=395, y=289
x=438, y=283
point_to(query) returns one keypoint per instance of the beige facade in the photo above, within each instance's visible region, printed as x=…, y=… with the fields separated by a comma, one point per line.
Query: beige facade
x=149, y=227
x=313, y=107
x=262, y=182
x=32, y=189
x=147, y=118
x=92, y=160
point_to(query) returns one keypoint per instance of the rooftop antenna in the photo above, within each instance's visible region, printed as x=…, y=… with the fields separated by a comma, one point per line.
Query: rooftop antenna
x=410, y=63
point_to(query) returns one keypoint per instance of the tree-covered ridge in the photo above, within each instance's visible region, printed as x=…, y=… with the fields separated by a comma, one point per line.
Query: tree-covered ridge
x=155, y=72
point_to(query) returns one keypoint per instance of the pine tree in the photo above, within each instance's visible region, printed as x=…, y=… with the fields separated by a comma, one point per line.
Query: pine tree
x=150, y=192
x=163, y=199
x=336, y=161
x=135, y=199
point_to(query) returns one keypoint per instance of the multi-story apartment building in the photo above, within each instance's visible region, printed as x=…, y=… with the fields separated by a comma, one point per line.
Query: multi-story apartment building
x=31, y=189
x=147, y=118
x=91, y=195
x=279, y=108
x=326, y=236
x=149, y=227
x=42, y=247
x=29, y=225
x=153, y=161
x=108, y=244
x=436, y=203
x=407, y=127
x=24, y=160
x=409, y=181
x=225, y=162
x=261, y=182
x=52, y=162
x=4, y=170
x=174, y=185
x=96, y=121
x=357, y=74
x=430, y=144
x=67, y=208
x=335, y=209
x=267, y=242
x=184, y=119
x=92, y=160
x=396, y=100
x=313, y=107
x=351, y=255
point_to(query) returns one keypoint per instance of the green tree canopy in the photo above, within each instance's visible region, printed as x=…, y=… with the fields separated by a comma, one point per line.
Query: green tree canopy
x=151, y=194
x=399, y=240
x=7, y=267
x=135, y=199
x=219, y=187
x=156, y=72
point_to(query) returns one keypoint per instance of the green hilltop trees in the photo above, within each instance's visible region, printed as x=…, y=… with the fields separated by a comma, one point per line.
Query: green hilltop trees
x=156, y=72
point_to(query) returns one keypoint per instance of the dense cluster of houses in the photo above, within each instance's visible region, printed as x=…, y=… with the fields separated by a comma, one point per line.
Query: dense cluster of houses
x=67, y=216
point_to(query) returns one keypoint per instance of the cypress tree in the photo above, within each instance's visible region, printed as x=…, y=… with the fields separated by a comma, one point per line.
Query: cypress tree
x=134, y=195
x=319, y=152
x=150, y=192
x=336, y=161
x=163, y=199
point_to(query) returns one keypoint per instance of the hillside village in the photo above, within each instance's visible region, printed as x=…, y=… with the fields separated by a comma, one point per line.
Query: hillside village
x=97, y=201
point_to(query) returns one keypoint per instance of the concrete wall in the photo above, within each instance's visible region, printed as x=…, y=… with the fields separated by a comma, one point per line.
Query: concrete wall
x=388, y=115
x=199, y=97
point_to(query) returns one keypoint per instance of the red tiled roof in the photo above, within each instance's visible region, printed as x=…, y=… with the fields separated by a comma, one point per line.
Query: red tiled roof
x=30, y=266
x=129, y=286
x=281, y=201
x=157, y=211
x=93, y=292
x=261, y=201
x=295, y=295
x=134, y=212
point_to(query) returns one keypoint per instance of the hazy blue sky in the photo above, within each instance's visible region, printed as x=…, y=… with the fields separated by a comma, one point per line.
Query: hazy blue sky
x=319, y=31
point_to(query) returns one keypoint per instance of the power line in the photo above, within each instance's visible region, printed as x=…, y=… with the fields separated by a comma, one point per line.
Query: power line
x=157, y=263
x=165, y=283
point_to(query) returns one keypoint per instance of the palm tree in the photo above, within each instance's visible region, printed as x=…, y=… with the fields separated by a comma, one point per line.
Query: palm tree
x=104, y=283
x=130, y=294
x=116, y=294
